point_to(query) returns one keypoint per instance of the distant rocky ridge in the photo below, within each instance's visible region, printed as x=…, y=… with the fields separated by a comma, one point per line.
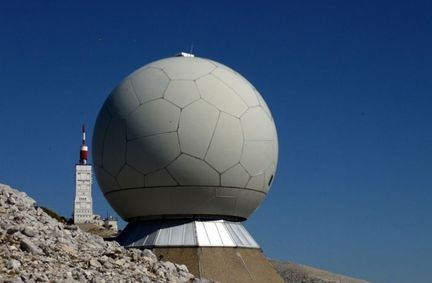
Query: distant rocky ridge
x=34, y=247
x=297, y=273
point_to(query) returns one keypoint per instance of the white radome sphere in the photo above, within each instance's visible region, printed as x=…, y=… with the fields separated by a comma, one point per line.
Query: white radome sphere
x=184, y=137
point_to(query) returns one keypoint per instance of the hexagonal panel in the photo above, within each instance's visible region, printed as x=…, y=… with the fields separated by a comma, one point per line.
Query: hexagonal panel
x=149, y=83
x=102, y=123
x=106, y=181
x=122, y=100
x=257, y=156
x=226, y=144
x=152, y=153
x=184, y=68
x=128, y=177
x=188, y=170
x=220, y=95
x=256, y=125
x=197, y=123
x=154, y=117
x=182, y=93
x=236, y=177
x=221, y=66
x=264, y=105
x=159, y=178
x=256, y=182
x=239, y=84
x=114, y=146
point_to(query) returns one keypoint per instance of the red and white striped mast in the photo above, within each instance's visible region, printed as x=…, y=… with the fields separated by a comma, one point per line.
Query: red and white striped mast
x=84, y=147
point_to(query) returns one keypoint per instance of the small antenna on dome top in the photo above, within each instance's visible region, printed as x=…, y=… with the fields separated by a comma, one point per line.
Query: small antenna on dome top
x=191, y=48
x=184, y=54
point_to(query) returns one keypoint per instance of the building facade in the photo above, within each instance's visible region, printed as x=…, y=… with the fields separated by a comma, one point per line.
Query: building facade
x=83, y=205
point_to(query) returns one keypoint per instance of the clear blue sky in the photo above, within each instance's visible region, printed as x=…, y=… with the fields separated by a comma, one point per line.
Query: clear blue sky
x=349, y=84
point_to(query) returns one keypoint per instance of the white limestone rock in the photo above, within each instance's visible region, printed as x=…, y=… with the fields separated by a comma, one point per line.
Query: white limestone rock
x=37, y=248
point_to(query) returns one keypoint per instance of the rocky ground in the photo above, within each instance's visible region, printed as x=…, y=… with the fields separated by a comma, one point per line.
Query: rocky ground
x=34, y=247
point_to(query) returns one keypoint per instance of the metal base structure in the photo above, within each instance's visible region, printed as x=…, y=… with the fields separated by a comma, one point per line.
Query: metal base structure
x=186, y=233
x=219, y=250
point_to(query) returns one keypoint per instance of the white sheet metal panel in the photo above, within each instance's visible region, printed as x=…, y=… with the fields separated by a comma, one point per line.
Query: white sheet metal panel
x=190, y=238
x=227, y=241
x=201, y=234
x=163, y=237
x=177, y=235
x=237, y=236
x=213, y=234
x=247, y=236
x=187, y=233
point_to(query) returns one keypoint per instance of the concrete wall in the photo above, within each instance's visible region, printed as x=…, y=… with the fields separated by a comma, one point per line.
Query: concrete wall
x=223, y=264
